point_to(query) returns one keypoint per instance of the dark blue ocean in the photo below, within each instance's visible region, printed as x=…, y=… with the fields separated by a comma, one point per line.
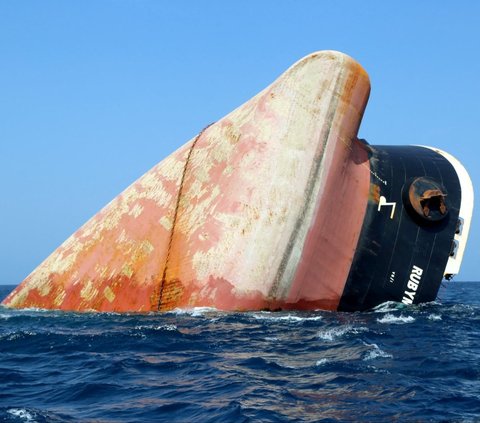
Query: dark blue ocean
x=396, y=363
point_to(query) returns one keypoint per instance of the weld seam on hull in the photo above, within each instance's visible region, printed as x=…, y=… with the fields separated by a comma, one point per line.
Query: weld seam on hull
x=175, y=215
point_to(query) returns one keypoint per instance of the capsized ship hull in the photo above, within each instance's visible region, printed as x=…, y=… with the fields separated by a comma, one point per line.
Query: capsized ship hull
x=276, y=206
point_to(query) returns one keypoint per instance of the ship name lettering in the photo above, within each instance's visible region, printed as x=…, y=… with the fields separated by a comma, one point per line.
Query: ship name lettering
x=412, y=285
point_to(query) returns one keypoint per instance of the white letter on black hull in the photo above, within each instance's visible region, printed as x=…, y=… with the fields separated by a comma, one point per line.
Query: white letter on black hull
x=412, y=284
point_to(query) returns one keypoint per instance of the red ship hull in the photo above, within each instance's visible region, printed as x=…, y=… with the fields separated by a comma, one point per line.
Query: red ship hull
x=264, y=209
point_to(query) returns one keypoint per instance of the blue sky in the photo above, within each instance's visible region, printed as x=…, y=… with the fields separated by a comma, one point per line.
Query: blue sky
x=94, y=93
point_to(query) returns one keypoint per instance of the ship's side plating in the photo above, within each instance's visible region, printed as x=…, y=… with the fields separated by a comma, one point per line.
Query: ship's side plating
x=415, y=227
x=244, y=216
x=277, y=205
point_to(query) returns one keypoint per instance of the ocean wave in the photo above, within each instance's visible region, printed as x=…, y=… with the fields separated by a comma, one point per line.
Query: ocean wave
x=335, y=333
x=100, y=367
x=20, y=334
x=195, y=311
x=376, y=352
x=399, y=320
x=35, y=310
x=156, y=327
x=23, y=414
x=388, y=306
x=434, y=317
x=10, y=313
x=284, y=318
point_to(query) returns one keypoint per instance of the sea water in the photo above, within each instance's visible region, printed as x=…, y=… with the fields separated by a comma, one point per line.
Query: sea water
x=400, y=363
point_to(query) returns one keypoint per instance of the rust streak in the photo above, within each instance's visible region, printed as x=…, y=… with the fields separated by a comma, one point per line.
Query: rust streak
x=163, y=282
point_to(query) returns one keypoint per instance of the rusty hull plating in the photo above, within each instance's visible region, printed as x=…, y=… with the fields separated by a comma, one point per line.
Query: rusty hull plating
x=244, y=216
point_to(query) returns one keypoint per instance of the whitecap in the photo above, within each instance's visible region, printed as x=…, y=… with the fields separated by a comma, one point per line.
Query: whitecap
x=195, y=312
x=154, y=327
x=321, y=362
x=376, y=352
x=11, y=336
x=388, y=306
x=434, y=317
x=36, y=310
x=331, y=334
x=288, y=317
x=21, y=413
x=166, y=327
x=399, y=320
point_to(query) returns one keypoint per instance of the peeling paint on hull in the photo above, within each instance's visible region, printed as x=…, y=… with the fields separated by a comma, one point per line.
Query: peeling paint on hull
x=262, y=210
x=252, y=210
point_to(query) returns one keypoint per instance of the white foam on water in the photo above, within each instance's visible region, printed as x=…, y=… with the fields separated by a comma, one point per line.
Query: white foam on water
x=376, y=352
x=195, y=312
x=21, y=413
x=429, y=304
x=153, y=327
x=10, y=336
x=434, y=317
x=36, y=310
x=13, y=336
x=397, y=320
x=5, y=316
x=331, y=334
x=287, y=318
x=321, y=362
x=388, y=306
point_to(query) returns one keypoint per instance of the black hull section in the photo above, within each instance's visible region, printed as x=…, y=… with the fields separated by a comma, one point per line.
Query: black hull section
x=409, y=228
